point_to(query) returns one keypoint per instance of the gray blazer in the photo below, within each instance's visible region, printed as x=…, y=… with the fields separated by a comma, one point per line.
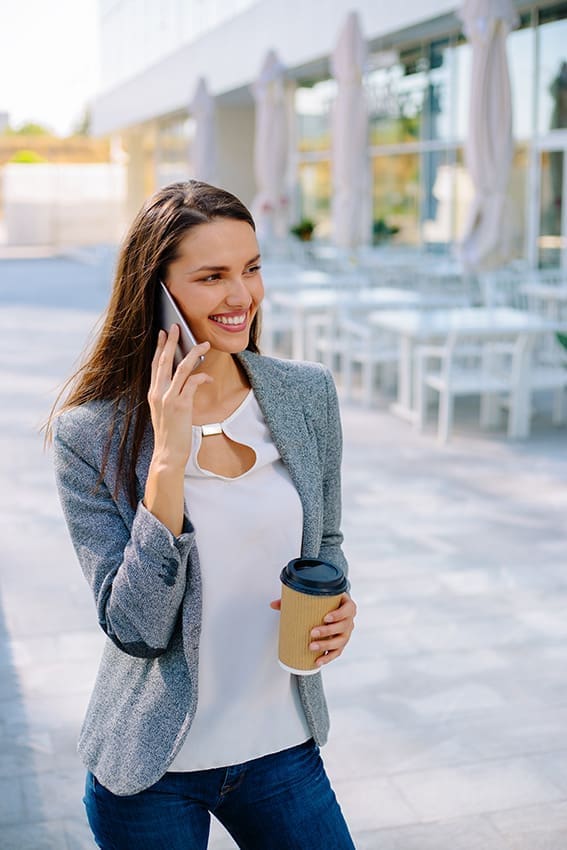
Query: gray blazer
x=147, y=583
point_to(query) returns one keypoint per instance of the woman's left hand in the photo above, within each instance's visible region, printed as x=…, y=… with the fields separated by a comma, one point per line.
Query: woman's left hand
x=332, y=637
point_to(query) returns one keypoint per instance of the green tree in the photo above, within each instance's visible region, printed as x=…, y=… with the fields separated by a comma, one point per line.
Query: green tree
x=83, y=125
x=29, y=128
x=26, y=156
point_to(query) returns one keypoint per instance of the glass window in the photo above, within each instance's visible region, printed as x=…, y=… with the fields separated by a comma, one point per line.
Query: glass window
x=463, y=196
x=517, y=201
x=396, y=97
x=313, y=110
x=550, y=242
x=315, y=194
x=396, y=197
x=438, y=187
x=520, y=47
x=173, y=150
x=552, y=72
x=463, y=70
x=437, y=122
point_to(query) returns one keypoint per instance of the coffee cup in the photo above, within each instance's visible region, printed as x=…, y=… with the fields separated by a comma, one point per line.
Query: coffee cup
x=311, y=588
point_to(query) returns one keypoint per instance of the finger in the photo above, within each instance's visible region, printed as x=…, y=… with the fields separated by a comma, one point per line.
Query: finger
x=164, y=366
x=337, y=642
x=338, y=628
x=186, y=392
x=346, y=610
x=327, y=658
x=188, y=365
x=157, y=353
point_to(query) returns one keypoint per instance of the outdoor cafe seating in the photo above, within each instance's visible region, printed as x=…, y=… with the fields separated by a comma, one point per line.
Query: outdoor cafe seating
x=419, y=328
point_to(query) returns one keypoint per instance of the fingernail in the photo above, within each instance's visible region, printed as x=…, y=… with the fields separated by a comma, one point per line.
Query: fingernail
x=329, y=618
x=315, y=633
x=314, y=646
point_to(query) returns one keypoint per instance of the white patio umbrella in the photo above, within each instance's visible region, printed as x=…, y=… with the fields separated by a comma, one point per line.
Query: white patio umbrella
x=203, y=149
x=270, y=205
x=350, y=180
x=489, y=146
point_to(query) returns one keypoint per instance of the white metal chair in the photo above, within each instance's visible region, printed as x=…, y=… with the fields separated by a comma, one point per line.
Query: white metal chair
x=501, y=288
x=347, y=344
x=466, y=366
x=276, y=330
x=546, y=372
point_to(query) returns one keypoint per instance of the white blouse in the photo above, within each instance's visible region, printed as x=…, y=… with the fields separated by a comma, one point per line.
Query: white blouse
x=247, y=528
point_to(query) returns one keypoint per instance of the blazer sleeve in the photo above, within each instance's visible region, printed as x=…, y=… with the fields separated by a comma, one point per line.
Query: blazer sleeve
x=332, y=539
x=137, y=574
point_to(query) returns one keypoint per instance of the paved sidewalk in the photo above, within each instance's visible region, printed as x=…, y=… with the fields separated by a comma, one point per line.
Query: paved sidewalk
x=449, y=711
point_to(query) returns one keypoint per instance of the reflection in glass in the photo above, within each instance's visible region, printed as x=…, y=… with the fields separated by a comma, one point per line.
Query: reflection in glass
x=315, y=194
x=437, y=100
x=463, y=71
x=395, y=97
x=431, y=160
x=552, y=34
x=518, y=195
x=396, y=197
x=438, y=228
x=550, y=242
x=313, y=110
x=520, y=46
x=172, y=155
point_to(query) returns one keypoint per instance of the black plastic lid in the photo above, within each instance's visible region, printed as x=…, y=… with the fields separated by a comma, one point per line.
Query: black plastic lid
x=317, y=578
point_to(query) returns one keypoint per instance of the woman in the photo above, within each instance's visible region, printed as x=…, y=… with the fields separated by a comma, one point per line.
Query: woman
x=182, y=531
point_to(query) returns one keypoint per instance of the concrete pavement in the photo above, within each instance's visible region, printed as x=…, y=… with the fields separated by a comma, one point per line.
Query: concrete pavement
x=449, y=711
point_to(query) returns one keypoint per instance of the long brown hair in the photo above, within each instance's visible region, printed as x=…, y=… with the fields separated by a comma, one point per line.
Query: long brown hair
x=118, y=367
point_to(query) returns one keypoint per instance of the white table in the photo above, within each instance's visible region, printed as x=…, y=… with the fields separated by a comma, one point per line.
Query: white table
x=418, y=327
x=304, y=303
x=282, y=278
x=291, y=280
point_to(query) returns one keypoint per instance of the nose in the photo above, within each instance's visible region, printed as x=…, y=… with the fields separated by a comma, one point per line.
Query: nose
x=238, y=293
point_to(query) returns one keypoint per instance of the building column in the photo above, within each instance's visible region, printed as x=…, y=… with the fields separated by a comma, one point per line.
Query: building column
x=235, y=150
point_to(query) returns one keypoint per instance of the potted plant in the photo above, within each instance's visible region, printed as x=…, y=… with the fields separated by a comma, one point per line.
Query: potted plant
x=303, y=230
x=381, y=231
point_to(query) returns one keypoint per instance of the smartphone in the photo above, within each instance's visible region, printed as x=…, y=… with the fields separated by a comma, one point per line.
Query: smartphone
x=170, y=314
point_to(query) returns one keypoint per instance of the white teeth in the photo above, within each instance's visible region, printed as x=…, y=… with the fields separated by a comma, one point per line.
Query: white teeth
x=229, y=320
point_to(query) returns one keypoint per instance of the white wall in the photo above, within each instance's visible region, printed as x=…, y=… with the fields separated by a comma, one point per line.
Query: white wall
x=230, y=56
x=63, y=205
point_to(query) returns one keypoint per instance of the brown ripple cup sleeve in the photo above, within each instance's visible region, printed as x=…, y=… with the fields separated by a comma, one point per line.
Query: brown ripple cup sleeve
x=310, y=590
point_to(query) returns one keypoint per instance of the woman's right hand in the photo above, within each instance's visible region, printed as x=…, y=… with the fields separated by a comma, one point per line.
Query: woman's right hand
x=170, y=398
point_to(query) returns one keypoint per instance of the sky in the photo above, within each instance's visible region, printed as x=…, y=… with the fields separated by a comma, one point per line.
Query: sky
x=48, y=61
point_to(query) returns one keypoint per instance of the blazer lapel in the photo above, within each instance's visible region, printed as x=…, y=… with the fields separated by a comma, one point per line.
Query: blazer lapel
x=292, y=434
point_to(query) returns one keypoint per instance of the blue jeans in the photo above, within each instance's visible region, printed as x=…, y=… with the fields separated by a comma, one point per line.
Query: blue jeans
x=282, y=801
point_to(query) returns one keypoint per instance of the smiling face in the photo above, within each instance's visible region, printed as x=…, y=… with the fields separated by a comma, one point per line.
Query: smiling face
x=216, y=282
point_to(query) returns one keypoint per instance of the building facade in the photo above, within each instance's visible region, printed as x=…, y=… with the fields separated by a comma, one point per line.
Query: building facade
x=417, y=83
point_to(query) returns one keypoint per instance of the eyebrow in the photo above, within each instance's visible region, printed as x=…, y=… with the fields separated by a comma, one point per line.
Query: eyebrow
x=221, y=268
